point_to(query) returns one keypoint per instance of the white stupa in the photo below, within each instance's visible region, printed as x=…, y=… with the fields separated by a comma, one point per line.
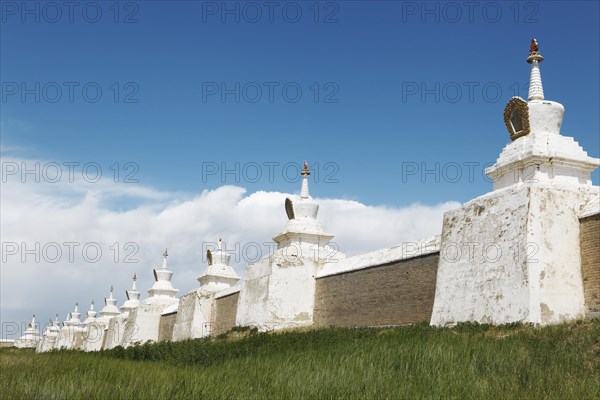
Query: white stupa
x=31, y=336
x=133, y=298
x=74, y=317
x=50, y=337
x=195, y=309
x=110, y=308
x=89, y=326
x=538, y=152
x=96, y=328
x=302, y=226
x=71, y=334
x=162, y=292
x=90, y=315
x=542, y=187
x=53, y=327
x=278, y=291
x=219, y=274
x=117, y=325
x=145, y=318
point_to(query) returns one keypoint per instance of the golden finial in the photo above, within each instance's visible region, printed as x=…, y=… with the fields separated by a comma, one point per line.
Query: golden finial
x=305, y=170
x=534, y=52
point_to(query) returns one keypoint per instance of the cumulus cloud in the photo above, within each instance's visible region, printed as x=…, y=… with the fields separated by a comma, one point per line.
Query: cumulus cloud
x=51, y=234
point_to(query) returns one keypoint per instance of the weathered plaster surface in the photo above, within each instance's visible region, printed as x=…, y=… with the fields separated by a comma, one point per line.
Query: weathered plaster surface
x=115, y=332
x=512, y=255
x=143, y=323
x=193, y=317
x=278, y=291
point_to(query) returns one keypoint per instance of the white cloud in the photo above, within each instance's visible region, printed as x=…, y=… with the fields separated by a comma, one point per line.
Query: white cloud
x=61, y=212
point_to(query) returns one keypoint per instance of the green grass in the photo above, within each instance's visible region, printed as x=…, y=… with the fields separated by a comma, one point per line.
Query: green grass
x=466, y=362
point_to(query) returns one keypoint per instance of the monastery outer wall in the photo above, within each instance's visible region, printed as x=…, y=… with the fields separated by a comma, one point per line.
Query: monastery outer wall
x=399, y=292
x=165, y=326
x=115, y=332
x=224, y=312
x=590, y=261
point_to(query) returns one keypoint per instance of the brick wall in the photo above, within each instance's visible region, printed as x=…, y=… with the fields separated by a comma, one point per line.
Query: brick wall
x=165, y=327
x=224, y=313
x=590, y=261
x=400, y=292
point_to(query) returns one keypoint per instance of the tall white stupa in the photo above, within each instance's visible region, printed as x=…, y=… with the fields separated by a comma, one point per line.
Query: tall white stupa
x=74, y=317
x=90, y=315
x=278, y=291
x=71, y=333
x=538, y=153
x=527, y=231
x=162, y=291
x=96, y=329
x=31, y=336
x=196, y=309
x=117, y=326
x=50, y=338
x=146, y=316
x=219, y=274
x=302, y=227
x=133, y=298
x=110, y=308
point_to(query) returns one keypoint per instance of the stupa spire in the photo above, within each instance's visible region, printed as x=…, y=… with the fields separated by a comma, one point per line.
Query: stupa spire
x=304, y=194
x=133, y=294
x=302, y=225
x=218, y=275
x=73, y=318
x=165, y=255
x=90, y=314
x=133, y=297
x=30, y=337
x=162, y=288
x=536, y=90
x=110, y=305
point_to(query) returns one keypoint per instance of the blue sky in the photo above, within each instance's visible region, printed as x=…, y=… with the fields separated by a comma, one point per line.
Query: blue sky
x=366, y=91
x=367, y=52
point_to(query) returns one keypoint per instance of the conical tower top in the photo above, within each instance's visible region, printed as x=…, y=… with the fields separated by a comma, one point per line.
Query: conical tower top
x=162, y=291
x=536, y=90
x=304, y=194
x=110, y=305
x=165, y=255
x=132, y=294
x=90, y=314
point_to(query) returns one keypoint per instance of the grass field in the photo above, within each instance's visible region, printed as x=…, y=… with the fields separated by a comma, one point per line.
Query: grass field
x=466, y=362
